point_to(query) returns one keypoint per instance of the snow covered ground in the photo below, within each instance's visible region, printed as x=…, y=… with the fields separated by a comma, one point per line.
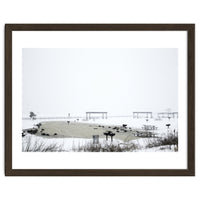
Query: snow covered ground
x=69, y=144
x=73, y=144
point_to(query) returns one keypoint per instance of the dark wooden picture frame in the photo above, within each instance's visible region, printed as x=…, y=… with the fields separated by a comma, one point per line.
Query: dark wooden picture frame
x=190, y=28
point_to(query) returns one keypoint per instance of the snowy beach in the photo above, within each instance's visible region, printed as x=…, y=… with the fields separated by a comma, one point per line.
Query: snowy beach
x=73, y=134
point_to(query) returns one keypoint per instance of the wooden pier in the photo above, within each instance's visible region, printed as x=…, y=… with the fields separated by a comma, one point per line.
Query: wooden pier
x=168, y=115
x=89, y=115
x=142, y=115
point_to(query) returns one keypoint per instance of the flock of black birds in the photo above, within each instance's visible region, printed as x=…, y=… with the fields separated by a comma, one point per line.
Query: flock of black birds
x=33, y=131
x=117, y=129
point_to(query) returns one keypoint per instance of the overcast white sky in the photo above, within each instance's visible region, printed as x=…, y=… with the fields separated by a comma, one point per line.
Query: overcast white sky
x=117, y=80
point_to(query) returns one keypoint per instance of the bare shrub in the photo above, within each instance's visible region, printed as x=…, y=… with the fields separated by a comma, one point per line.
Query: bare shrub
x=169, y=140
x=39, y=146
x=89, y=147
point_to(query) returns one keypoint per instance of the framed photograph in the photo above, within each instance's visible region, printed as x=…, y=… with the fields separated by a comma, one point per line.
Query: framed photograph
x=99, y=100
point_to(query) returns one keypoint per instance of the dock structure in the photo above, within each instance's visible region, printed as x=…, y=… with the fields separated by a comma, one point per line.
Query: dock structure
x=149, y=127
x=90, y=115
x=142, y=115
x=168, y=115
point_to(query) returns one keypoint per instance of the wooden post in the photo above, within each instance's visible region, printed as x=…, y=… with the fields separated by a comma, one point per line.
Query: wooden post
x=111, y=138
x=95, y=139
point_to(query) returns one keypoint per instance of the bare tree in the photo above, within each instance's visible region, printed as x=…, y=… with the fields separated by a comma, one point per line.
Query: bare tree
x=32, y=115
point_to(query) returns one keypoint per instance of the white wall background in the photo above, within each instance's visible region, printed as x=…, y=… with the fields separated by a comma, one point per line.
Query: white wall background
x=104, y=11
